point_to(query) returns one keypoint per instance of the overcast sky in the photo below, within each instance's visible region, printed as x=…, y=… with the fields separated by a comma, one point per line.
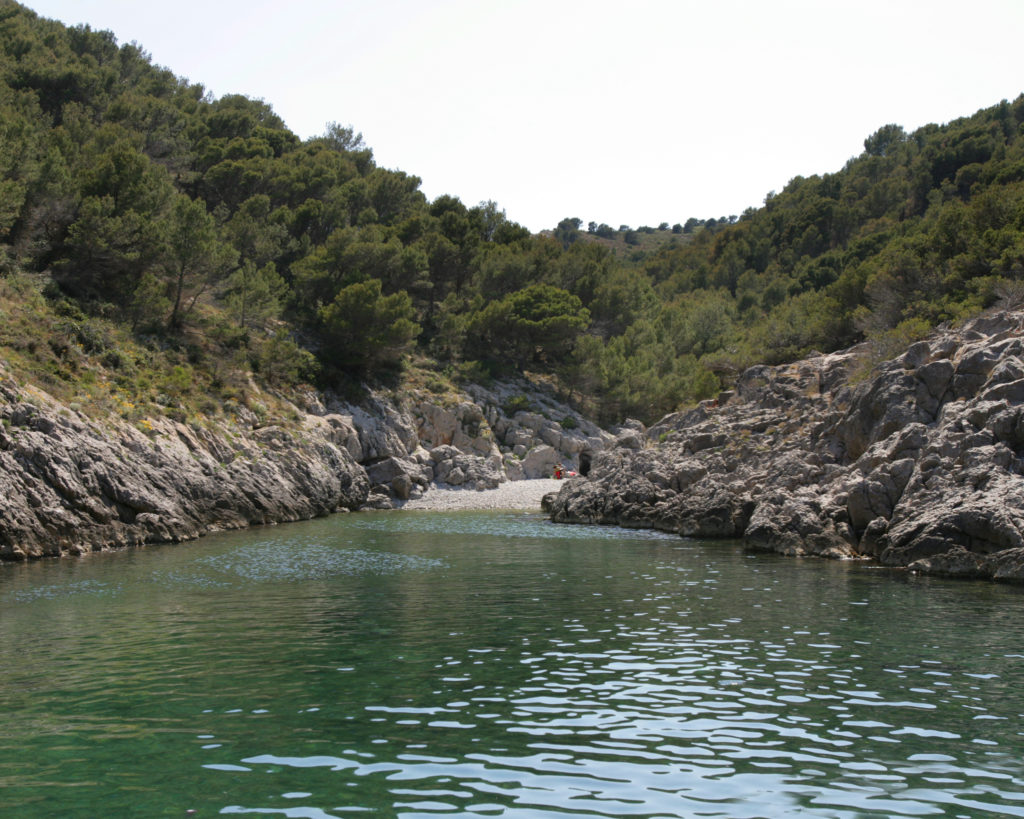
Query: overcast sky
x=634, y=113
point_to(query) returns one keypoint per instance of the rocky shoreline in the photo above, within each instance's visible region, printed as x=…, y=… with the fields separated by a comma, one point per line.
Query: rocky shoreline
x=918, y=464
x=70, y=484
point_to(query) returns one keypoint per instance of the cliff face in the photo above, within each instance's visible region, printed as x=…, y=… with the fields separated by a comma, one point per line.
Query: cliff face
x=919, y=465
x=69, y=484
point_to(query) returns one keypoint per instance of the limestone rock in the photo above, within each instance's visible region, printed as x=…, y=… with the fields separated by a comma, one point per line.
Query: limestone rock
x=68, y=485
x=540, y=462
x=919, y=466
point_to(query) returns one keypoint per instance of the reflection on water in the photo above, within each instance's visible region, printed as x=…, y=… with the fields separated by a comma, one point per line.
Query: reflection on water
x=418, y=664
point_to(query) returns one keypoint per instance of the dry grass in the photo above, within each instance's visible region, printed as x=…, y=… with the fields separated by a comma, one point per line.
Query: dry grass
x=97, y=367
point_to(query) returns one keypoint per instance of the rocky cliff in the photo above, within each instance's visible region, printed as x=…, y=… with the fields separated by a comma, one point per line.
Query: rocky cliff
x=477, y=439
x=71, y=484
x=917, y=464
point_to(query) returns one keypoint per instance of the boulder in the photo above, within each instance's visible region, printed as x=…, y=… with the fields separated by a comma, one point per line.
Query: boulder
x=436, y=425
x=540, y=462
x=513, y=468
x=630, y=439
x=401, y=486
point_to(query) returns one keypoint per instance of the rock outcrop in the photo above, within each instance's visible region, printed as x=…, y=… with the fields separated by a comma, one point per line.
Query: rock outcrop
x=512, y=431
x=917, y=465
x=70, y=484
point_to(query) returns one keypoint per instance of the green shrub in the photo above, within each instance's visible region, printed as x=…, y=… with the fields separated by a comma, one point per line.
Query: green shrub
x=517, y=403
x=472, y=372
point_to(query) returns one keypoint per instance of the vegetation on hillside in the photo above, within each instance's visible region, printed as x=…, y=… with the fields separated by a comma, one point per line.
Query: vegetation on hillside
x=154, y=237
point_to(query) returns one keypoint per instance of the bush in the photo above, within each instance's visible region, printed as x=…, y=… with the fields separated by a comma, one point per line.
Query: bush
x=281, y=362
x=517, y=403
x=704, y=385
x=472, y=372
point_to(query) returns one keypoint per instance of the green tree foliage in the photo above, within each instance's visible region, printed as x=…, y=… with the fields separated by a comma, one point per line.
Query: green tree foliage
x=568, y=231
x=253, y=294
x=536, y=324
x=194, y=257
x=283, y=363
x=621, y=297
x=150, y=202
x=363, y=329
x=885, y=140
x=149, y=305
x=115, y=231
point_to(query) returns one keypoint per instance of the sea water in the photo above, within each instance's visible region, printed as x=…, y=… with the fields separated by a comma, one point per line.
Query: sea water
x=419, y=664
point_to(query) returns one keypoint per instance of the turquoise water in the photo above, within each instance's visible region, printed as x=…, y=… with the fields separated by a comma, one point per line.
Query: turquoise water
x=417, y=664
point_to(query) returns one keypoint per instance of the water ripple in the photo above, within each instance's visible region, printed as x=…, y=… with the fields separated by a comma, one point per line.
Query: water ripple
x=296, y=561
x=495, y=665
x=670, y=729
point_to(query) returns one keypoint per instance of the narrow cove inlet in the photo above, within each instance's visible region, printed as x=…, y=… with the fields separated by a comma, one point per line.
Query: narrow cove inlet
x=277, y=424
x=424, y=664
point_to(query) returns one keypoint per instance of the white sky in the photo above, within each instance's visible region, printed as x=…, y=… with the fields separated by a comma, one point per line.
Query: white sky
x=636, y=112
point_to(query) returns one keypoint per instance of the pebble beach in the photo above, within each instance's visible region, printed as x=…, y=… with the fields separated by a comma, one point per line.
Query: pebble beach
x=509, y=495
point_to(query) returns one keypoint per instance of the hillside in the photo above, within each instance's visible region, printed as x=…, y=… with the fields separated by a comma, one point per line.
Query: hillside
x=162, y=251
x=628, y=245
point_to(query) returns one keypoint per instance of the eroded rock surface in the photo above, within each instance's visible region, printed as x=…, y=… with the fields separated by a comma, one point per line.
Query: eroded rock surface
x=69, y=484
x=917, y=465
x=476, y=440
